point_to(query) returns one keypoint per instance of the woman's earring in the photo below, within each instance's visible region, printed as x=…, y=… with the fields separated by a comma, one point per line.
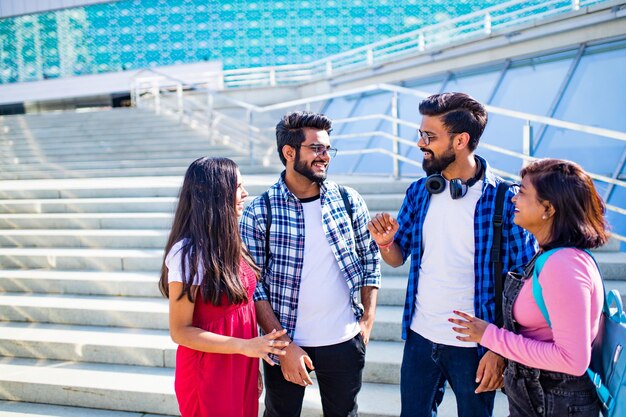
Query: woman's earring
x=545, y=217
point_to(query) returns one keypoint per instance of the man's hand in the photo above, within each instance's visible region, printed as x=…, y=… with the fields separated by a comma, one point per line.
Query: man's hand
x=383, y=227
x=490, y=373
x=366, y=325
x=294, y=365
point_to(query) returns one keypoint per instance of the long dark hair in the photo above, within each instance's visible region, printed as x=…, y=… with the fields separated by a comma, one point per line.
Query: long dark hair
x=579, y=210
x=206, y=221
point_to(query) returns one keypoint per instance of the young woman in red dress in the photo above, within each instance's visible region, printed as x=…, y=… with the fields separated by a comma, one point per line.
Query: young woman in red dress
x=210, y=279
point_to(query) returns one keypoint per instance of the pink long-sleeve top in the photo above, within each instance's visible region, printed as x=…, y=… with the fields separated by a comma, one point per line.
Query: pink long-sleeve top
x=574, y=295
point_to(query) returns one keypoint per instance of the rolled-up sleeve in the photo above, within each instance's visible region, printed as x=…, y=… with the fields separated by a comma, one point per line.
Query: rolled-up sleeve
x=366, y=247
x=406, y=220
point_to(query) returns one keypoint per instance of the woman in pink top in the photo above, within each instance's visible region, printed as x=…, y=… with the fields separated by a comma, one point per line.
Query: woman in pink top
x=210, y=278
x=545, y=375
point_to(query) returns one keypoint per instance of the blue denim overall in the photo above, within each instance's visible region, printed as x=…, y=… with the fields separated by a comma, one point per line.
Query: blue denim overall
x=534, y=392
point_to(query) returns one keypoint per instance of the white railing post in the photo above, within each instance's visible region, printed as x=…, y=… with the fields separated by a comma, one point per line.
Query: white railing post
x=421, y=42
x=250, y=142
x=209, y=117
x=575, y=5
x=487, y=23
x=527, y=133
x=157, y=98
x=370, y=57
x=179, y=102
x=134, y=97
x=395, y=132
x=273, y=77
x=329, y=68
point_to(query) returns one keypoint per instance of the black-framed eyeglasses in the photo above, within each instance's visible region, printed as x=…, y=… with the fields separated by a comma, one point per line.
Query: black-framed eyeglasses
x=321, y=150
x=427, y=137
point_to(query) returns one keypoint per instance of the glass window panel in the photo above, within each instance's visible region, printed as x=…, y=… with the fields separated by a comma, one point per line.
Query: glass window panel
x=478, y=86
x=518, y=90
x=597, y=91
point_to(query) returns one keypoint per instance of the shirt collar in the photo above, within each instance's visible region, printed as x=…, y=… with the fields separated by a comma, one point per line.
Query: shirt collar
x=287, y=194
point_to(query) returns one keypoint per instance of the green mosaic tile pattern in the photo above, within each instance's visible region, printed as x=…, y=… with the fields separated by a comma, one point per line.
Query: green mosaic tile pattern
x=136, y=34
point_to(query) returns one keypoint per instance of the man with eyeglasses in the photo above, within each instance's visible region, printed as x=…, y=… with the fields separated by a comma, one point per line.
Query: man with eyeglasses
x=445, y=225
x=317, y=259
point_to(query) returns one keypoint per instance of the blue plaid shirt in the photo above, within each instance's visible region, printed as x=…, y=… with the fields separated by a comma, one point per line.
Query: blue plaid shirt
x=356, y=253
x=518, y=245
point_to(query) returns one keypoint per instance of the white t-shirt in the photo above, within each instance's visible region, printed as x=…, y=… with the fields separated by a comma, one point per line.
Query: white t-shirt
x=446, y=276
x=325, y=314
x=173, y=261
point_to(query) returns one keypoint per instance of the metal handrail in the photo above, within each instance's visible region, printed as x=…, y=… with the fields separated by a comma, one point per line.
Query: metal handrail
x=481, y=23
x=261, y=145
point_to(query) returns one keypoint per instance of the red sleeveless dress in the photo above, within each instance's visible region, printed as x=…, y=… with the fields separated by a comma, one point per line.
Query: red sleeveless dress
x=215, y=384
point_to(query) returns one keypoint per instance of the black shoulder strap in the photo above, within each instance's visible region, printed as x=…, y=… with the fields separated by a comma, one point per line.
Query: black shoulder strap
x=346, y=201
x=268, y=224
x=496, y=249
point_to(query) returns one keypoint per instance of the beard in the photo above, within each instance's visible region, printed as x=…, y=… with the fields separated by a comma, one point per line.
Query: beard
x=303, y=169
x=435, y=165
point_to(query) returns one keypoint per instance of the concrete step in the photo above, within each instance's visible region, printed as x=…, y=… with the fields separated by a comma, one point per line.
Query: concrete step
x=89, y=205
x=127, y=312
x=113, y=132
x=84, y=238
x=104, y=259
x=112, y=345
x=131, y=284
x=133, y=312
x=46, y=281
x=82, y=259
x=128, y=220
x=26, y=409
x=113, y=387
x=146, y=389
x=117, y=164
x=144, y=347
x=95, y=150
x=123, y=172
x=164, y=186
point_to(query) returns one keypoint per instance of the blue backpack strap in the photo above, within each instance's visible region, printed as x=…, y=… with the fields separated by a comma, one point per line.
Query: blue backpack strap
x=602, y=391
x=268, y=225
x=537, y=290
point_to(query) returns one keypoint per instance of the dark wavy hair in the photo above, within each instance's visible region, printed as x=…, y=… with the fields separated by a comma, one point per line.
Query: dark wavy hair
x=579, y=210
x=206, y=220
x=459, y=113
x=290, y=129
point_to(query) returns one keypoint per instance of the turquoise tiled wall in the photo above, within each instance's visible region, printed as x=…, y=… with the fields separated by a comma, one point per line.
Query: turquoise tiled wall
x=135, y=34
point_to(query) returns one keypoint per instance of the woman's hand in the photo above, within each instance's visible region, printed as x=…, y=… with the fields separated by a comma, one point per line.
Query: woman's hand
x=262, y=346
x=472, y=327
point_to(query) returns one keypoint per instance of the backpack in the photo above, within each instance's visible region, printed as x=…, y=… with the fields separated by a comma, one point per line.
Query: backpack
x=496, y=248
x=268, y=208
x=608, y=361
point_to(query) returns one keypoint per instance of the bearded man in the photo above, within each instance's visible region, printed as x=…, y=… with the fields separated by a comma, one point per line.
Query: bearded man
x=311, y=238
x=445, y=227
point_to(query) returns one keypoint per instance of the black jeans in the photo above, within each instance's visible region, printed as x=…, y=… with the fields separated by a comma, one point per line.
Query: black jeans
x=537, y=393
x=339, y=370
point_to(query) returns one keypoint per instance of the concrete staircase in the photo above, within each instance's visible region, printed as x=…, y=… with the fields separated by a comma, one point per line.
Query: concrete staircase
x=85, y=210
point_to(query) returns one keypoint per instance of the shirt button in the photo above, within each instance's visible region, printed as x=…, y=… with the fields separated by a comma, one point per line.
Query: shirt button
x=540, y=410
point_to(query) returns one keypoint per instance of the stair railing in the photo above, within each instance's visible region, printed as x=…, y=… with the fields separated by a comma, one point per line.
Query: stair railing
x=165, y=95
x=477, y=25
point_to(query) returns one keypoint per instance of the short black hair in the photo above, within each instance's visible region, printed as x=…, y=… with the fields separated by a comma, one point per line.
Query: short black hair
x=290, y=129
x=459, y=113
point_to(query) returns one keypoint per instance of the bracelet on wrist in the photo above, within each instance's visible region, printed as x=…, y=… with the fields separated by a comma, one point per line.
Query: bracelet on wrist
x=386, y=245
